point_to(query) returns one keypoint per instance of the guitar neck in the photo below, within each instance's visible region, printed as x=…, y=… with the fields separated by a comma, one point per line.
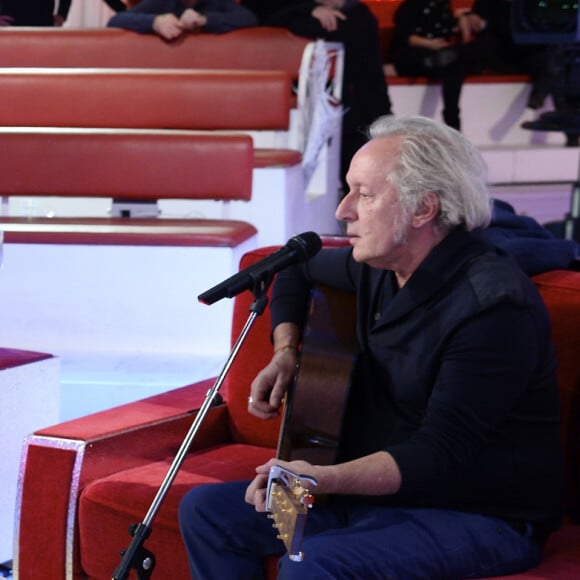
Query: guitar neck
x=314, y=408
x=322, y=380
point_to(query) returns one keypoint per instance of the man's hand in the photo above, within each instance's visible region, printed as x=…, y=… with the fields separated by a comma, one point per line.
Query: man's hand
x=168, y=26
x=192, y=20
x=328, y=17
x=270, y=385
x=470, y=25
x=256, y=491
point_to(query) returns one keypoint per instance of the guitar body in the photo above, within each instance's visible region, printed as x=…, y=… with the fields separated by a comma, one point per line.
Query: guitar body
x=315, y=403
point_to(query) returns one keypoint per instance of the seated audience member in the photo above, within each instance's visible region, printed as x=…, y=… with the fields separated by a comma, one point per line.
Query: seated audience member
x=64, y=8
x=504, y=55
x=35, y=12
x=430, y=41
x=172, y=18
x=365, y=96
x=449, y=464
x=553, y=67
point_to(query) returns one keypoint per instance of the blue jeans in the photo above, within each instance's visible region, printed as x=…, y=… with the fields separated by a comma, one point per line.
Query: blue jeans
x=227, y=538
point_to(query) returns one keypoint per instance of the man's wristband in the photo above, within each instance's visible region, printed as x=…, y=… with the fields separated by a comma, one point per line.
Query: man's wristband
x=286, y=347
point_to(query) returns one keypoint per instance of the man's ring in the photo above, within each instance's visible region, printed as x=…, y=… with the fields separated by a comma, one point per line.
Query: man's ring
x=250, y=400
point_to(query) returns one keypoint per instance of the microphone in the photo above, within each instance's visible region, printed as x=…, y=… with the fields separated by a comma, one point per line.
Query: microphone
x=297, y=249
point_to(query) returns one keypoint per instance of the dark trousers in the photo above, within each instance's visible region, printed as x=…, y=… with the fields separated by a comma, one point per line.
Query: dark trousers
x=227, y=538
x=365, y=95
x=468, y=59
x=30, y=12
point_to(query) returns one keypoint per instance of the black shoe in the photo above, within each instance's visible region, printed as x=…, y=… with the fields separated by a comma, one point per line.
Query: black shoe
x=536, y=99
x=555, y=121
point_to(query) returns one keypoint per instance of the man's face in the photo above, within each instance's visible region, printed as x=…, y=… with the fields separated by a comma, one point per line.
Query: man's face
x=375, y=220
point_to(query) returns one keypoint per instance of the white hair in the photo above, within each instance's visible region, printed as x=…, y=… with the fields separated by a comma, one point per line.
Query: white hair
x=436, y=158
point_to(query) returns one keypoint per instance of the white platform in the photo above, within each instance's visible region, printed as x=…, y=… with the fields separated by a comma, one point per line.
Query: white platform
x=491, y=113
x=30, y=395
x=124, y=320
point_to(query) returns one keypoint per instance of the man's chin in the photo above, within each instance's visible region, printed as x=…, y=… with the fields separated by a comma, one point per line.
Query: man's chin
x=358, y=254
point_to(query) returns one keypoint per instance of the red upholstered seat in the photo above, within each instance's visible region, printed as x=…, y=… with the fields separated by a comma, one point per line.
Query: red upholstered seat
x=106, y=504
x=228, y=100
x=117, y=459
x=10, y=357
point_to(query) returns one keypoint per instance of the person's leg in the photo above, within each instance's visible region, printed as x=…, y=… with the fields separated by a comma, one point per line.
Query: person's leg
x=412, y=62
x=364, y=92
x=452, y=83
x=224, y=536
x=413, y=544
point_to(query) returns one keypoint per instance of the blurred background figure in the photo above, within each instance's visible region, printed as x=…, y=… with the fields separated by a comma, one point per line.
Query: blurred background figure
x=504, y=54
x=364, y=94
x=172, y=18
x=42, y=12
x=431, y=41
x=36, y=12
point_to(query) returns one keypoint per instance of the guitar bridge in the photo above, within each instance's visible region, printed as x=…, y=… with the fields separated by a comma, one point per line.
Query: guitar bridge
x=288, y=502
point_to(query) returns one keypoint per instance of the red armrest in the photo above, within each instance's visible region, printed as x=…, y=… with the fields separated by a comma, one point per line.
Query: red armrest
x=60, y=461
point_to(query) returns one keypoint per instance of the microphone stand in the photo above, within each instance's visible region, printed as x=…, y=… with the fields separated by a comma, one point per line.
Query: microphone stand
x=136, y=556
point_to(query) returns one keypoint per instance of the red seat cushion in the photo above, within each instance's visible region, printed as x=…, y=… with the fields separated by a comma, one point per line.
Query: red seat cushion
x=108, y=506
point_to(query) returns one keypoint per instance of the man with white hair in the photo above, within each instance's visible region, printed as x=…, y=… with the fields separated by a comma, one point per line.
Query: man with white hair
x=449, y=465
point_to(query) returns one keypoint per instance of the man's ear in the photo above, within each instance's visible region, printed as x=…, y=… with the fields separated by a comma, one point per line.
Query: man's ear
x=427, y=209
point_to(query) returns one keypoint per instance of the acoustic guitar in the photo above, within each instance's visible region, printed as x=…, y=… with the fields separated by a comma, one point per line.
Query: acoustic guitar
x=314, y=409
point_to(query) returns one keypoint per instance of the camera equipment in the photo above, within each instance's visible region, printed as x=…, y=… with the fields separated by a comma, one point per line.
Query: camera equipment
x=545, y=21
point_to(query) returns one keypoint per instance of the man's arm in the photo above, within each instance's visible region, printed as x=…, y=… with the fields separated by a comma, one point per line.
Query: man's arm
x=226, y=15
x=288, y=308
x=140, y=18
x=375, y=474
x=271, y=383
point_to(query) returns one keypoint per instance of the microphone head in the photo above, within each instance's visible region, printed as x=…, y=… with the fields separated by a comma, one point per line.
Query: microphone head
x=305, y=245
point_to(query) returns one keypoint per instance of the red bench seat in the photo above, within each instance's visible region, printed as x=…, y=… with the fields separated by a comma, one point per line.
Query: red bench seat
x=242, y=49
x=233, y=100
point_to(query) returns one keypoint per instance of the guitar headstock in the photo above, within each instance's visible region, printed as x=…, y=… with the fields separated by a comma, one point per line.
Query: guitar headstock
x=288, y=502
